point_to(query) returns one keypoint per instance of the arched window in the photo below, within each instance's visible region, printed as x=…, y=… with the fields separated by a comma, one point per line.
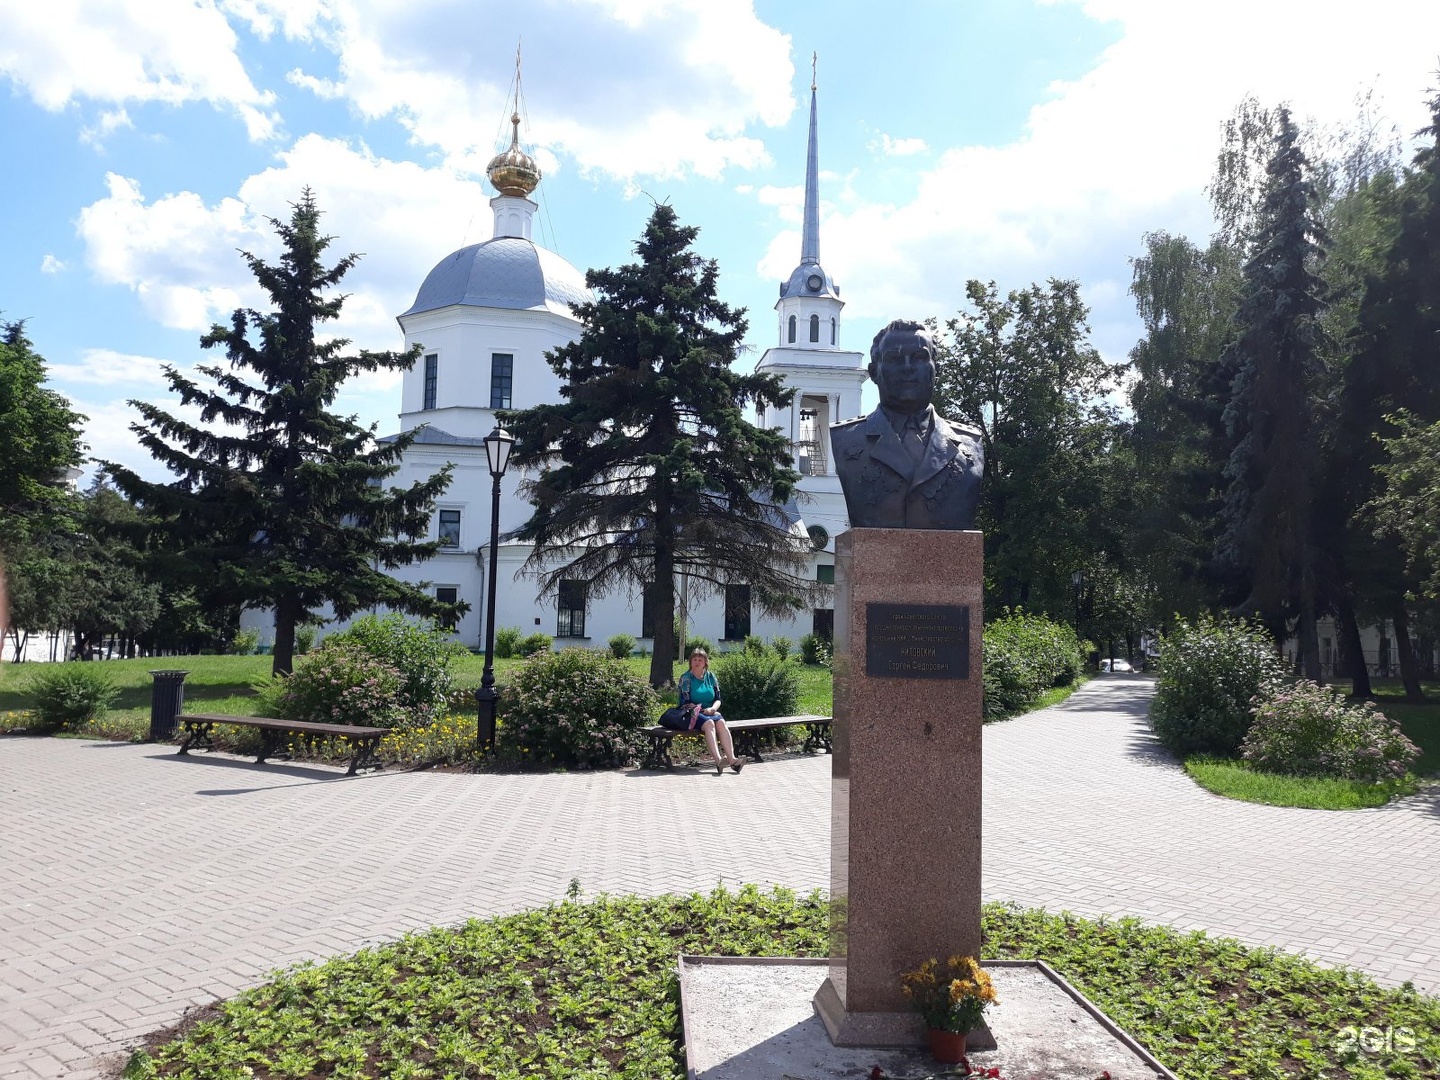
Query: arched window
x=792, y=329
x=832, y=332
x=815, y=328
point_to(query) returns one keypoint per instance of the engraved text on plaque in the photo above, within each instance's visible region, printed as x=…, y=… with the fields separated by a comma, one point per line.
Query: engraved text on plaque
x=917, y=641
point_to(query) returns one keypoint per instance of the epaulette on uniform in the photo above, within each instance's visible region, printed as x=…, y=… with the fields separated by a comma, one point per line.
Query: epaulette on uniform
x=849, y=423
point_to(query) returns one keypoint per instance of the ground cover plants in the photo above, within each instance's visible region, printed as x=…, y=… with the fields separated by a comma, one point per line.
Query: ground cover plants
x=589, y=990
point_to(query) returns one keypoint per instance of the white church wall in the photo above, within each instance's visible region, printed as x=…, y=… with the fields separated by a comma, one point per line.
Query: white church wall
x=464, y=341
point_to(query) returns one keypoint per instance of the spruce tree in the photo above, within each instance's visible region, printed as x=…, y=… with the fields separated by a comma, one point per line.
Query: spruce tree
x=648, y=468
x=283, y=505
x=40, y=442
x=1269, y=501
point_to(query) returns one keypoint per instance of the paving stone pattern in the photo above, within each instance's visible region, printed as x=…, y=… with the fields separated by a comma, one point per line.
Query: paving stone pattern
x=134, y=883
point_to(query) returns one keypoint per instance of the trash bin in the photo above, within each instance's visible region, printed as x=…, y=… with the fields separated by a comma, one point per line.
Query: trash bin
x=167, y=701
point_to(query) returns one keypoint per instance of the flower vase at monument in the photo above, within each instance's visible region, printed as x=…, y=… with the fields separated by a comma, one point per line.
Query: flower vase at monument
x=952, y=1000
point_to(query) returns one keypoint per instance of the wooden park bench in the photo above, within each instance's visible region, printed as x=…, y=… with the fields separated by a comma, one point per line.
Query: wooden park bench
x=746, y=735
x=275, y=735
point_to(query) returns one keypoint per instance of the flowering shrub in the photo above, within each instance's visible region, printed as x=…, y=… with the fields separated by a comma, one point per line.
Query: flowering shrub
x=341, y=684
x=1210, y=672
x=420, y=654
x=1309, y=730
x=577, y=707
x=1025, y=655
x=757, y=684
x=953, y=1000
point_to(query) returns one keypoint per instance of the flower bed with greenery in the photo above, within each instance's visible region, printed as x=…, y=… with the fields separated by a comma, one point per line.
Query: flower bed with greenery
x=589, y=990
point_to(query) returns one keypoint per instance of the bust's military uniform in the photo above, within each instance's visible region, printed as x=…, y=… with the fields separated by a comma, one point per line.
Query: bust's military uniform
x=885, y=488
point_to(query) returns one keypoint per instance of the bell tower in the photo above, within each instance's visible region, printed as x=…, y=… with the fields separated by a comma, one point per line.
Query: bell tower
x=826, y=378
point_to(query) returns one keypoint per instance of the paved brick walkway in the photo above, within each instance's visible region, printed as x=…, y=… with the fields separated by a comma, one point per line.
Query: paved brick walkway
x=134, y=883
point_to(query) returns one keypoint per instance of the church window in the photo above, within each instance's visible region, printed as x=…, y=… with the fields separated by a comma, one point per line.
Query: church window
x=792, y=330
x=815, y=328
x=447, y=594
x=825, y=573
x=737, y=612
x=833, y=328
x=432, y=378
x=449, y=528
x=502, y=372
x=570, y=609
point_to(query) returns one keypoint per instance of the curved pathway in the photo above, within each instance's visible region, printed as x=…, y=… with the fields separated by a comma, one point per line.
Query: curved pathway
x=134, y=883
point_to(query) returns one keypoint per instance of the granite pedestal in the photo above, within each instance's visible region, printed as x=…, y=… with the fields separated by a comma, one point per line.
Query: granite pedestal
x=905, y=788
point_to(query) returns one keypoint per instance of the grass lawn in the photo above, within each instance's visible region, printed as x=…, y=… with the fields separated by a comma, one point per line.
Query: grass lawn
x=589, y=990
x=1237, y=780
x=1420, y=722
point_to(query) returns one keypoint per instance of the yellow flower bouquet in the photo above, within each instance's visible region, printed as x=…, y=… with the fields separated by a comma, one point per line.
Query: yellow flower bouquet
x=954, y=999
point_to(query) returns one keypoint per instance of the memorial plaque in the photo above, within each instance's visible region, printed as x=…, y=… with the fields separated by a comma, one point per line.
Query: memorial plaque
x=917, y=641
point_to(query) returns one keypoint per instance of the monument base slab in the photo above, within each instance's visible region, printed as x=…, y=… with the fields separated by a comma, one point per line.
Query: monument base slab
x=748, y=1019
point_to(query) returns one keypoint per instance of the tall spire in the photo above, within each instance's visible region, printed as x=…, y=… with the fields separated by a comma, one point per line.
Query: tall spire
x=810, y=241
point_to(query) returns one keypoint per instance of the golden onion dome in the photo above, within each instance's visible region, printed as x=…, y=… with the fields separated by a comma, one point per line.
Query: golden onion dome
x=514, y=172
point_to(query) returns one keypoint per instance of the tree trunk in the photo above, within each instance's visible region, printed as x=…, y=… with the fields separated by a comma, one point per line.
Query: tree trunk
x=1409, y=675
x=662, y=607
x=1353, y=653
x=286, y=616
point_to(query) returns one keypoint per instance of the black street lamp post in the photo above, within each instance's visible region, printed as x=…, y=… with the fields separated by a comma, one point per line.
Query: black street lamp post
x=497, y=452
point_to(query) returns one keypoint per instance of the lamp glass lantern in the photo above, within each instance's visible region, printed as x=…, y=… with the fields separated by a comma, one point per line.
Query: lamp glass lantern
x=498, y=445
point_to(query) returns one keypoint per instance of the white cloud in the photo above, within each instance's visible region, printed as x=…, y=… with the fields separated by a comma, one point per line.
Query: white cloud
x=891, y=147
x=627, y=88
x=126, y=51
x=51, y=265
x=1125, y=148
x=109, y=122
x=321, y=88
x=179, y=254
x=106, y=367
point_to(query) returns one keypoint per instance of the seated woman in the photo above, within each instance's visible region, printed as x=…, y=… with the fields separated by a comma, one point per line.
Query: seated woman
x=700, y=702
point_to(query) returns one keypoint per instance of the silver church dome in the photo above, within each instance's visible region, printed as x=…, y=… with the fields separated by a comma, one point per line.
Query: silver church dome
x=506, y=272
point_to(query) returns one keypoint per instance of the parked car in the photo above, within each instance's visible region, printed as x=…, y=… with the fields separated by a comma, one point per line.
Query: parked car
x=1115, y=665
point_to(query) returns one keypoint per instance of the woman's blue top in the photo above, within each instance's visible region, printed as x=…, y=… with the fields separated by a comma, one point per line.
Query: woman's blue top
x=703, y=691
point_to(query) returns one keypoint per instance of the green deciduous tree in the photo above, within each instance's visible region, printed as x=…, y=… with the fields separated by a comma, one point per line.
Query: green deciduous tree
x=283, y=504
x=1022, y=368
x=40, y=441
x=648, y=468
x=1186, y=298
x=1408, y=504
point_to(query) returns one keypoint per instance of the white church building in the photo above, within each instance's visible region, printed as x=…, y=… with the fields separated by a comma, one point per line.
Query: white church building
x=484, y=318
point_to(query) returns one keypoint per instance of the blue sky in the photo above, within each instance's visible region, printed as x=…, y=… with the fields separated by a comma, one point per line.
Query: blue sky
x=994, y=139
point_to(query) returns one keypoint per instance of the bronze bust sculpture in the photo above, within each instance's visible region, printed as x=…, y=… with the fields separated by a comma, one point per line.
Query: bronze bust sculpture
x=904, y=466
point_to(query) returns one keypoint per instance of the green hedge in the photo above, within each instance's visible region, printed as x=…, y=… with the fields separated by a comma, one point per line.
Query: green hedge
x=1025, y=655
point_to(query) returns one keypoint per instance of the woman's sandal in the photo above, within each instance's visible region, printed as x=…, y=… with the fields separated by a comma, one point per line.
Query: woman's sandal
x=719, y=769
x=736, y=764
